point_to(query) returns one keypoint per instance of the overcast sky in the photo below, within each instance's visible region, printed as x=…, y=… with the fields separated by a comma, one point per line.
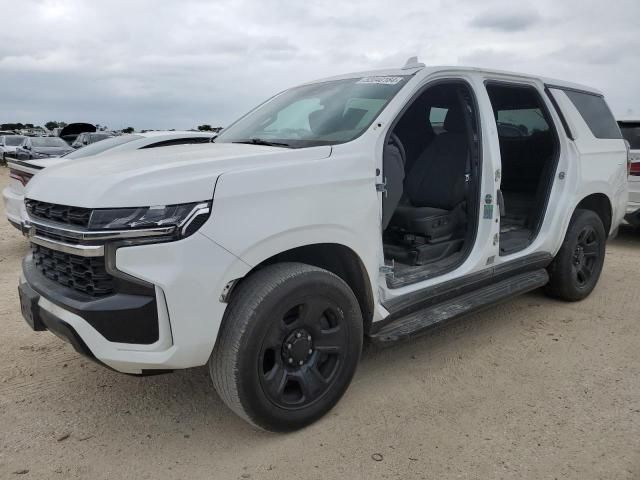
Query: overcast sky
x=178, y=64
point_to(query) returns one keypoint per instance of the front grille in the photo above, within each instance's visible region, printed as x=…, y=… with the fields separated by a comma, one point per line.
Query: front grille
x=59, y=213
x=84, y=274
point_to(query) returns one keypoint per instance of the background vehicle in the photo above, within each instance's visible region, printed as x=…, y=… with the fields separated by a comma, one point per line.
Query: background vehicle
x=21, y=172
x=85, y=139
x=8, y=146
x=41, y=147
x=631, y=132
x=70, y=132
x=371, y=205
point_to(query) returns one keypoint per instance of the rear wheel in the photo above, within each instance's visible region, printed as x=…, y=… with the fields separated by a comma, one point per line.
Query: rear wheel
x=576, y=268
x=289, y=346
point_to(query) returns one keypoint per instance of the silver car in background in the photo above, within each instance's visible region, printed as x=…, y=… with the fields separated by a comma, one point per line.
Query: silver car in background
x=8, y=145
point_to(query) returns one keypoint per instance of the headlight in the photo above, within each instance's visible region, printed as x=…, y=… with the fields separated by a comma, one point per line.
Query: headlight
x=186, y=217
x=40, y=155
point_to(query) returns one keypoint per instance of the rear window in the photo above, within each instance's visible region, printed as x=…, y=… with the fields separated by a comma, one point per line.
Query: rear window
x=596, y=114
x=631, y=133
x=49, y=142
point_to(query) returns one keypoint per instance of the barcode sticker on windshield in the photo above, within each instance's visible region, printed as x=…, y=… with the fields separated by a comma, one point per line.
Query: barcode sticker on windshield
x=380, y=80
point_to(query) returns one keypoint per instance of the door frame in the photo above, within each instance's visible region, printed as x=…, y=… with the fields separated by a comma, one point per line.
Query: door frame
x=546, y=111
x=477, y=168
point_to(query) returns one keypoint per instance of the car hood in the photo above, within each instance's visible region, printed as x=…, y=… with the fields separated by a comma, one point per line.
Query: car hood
x=53, y=151
x=162, y=176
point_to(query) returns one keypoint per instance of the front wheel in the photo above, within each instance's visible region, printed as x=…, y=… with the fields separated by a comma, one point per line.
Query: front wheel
x=289, y=346
x=576, y=268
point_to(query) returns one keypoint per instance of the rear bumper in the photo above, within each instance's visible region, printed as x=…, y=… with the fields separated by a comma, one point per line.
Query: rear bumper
x=632, y=214
x=14, y=207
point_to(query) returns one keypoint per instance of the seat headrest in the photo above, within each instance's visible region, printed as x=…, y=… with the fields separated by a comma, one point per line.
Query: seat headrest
x=454, y=121
x=316, y=120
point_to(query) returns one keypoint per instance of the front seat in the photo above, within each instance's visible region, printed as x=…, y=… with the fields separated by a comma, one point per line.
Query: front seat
x=436, y=186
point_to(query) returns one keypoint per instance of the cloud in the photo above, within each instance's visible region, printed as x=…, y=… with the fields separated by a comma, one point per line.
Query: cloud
x=506, y=20
x=155, y=64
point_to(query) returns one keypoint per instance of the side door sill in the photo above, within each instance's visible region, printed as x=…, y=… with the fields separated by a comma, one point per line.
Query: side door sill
x=420, y=321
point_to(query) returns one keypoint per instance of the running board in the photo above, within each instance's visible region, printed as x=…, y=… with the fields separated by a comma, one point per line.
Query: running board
x=420, y=321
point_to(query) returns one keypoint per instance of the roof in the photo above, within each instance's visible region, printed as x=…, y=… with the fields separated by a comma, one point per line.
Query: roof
x=428, y=70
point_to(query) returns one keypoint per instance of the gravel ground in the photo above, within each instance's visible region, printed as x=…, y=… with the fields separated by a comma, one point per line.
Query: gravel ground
x=534, y=388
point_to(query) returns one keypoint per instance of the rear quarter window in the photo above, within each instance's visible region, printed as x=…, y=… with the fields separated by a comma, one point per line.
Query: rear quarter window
x=596, y=114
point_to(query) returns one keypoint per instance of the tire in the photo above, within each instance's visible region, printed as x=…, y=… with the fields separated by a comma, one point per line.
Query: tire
x=289, y=346
x=576, y=268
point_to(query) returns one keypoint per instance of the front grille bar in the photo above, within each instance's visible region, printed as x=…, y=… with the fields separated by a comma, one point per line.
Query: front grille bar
x=83, y=235
x=79, y=250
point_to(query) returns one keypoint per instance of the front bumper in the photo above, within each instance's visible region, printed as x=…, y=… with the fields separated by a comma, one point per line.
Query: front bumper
x=185, y=279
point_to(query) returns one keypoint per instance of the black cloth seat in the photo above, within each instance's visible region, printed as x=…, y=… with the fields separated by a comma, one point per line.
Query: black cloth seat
x=436, y=186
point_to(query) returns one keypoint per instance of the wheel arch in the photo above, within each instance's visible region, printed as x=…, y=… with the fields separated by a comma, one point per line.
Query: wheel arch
x=600, y=204
x=336, y=258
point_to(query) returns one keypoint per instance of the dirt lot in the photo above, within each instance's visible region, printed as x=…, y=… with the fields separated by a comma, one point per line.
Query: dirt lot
x=531, y=389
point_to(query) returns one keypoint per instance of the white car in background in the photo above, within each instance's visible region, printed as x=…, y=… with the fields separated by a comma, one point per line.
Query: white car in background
x=631, y=133
x=8, y=145
x=21, y=171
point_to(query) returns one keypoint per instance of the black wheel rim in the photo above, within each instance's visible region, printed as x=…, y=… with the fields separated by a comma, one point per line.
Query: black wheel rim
x=302, y=353
x=585, y=256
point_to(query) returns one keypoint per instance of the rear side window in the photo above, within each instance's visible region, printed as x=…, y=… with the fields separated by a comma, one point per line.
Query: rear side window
x=521, y=122
x=595, y=113
x=631, y=133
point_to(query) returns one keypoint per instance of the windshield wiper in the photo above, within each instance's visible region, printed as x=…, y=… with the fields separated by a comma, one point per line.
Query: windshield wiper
x=261, y=141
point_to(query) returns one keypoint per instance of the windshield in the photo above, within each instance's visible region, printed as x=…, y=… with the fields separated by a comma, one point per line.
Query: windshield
x=13, y=141
x=631, y=133
x=99, y=147
x=325, y=113
x=49, y=142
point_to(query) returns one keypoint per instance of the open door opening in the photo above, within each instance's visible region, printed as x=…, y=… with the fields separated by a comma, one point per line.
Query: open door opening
x=529, y=150
x=431, y=168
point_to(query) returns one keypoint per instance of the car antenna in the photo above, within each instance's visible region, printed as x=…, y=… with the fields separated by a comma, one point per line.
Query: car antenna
x=412, y=62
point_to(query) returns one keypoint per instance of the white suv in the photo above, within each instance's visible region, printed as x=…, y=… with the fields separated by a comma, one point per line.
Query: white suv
x=367, y=206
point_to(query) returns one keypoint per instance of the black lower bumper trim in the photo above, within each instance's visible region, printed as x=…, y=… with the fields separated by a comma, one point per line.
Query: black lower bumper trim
x=40, y=319
x=121, y=317
x=15, y=224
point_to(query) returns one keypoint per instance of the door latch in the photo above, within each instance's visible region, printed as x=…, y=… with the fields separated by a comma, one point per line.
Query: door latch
x=382, y=187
